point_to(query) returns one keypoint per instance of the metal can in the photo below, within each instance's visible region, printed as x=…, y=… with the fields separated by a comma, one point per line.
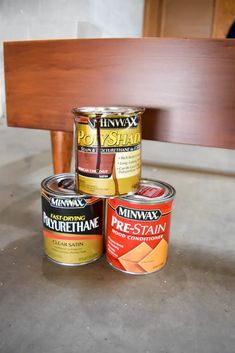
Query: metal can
x=138, y=228
x=72, y=223
x=107, y=150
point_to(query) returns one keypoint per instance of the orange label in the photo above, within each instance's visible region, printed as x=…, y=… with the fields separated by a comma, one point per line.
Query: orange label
x=137, y=235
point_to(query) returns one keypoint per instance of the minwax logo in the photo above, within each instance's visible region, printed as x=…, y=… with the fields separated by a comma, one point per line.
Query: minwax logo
x=67, y=203
x=139, y=215
x=118, y=123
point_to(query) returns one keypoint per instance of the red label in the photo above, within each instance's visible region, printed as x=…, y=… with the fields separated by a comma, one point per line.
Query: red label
x=150, y=192
x=137, y=235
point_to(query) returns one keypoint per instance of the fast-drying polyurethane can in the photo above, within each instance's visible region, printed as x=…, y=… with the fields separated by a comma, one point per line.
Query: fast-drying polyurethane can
x=72, y=223
x=138, y=228
x=107, y=150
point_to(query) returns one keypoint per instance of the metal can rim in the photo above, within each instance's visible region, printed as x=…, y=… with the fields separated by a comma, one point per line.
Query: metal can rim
x=107, y=111
x=134, y=199
x=59, y=193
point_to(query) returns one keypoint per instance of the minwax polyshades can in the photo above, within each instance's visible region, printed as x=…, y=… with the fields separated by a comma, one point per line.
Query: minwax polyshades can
x=108, y=150
x=72, y=223
x=138, y=228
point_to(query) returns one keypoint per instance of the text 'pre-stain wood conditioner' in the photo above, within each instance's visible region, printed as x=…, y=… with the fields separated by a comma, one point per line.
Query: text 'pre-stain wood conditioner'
x=138, y=228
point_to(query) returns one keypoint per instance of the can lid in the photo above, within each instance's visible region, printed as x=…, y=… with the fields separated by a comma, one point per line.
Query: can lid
x=92, y=112
x=60, y=184
x=151, y=192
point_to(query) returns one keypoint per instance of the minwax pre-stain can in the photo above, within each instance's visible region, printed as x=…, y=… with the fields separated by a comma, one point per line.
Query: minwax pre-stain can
x=108, y=150
x=138, y=228
x=72, y=223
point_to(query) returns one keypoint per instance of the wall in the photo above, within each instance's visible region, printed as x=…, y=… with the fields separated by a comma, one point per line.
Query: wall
x=51, y=19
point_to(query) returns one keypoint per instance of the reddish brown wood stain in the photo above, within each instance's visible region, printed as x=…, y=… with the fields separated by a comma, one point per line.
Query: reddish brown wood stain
x=62, y=145
x=190, y=83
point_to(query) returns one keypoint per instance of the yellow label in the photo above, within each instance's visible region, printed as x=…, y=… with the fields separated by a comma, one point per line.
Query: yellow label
x=127, y=164
x=73, y=252
x=87, y=137
x=108, y=156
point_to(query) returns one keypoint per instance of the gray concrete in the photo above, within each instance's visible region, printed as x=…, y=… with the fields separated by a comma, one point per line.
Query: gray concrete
x=188, y=307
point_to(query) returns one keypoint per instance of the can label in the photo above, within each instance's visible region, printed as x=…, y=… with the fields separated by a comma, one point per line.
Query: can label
x=138, y=234
x=108, y=155
x=72, y=228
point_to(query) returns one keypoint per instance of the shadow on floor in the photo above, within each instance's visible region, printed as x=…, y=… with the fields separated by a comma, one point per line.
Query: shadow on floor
x=24, y=262
x=20, y=213
x=17, y=170
x=20, y=191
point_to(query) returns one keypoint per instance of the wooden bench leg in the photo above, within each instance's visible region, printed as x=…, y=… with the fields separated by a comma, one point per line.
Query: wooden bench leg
x=62, y=147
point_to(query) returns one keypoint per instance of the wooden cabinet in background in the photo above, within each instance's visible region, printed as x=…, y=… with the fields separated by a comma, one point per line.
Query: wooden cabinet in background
x=224, y=15
x=188, y=18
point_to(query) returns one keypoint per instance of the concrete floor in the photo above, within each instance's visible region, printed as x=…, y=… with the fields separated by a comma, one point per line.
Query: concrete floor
x=188, y=307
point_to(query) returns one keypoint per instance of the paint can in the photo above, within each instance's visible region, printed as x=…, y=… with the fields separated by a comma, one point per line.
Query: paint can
x=138, y=228
x=72, y=223
x=107, y=150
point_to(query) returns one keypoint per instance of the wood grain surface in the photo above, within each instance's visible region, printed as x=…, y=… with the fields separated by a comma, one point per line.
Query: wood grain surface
x=224, y=15
x=153, y=18
x=188, y=84
x=61, y=146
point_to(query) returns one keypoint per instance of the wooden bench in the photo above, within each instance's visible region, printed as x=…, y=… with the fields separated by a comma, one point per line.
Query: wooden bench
x=188, y=86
